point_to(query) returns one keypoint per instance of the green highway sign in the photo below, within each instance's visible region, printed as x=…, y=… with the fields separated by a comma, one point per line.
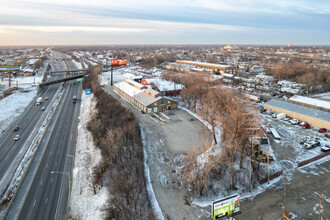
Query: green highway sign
x=80, y=79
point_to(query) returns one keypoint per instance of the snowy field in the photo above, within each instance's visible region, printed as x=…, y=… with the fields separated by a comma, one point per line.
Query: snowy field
x=84, y=203
x=13, y=105
x=21, y=82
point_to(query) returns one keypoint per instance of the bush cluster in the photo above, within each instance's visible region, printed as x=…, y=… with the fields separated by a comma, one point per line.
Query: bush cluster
x=117, y=134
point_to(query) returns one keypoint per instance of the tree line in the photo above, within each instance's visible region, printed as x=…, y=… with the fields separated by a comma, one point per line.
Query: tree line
x=117, y=134
x=241, y=132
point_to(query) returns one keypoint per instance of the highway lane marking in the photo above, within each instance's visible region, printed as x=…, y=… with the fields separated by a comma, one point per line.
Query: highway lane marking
x=46, y=165
x=52, y=180
x=51, y=152
x=55, y=164
x=46, y=200
x=34, y=203
x=42, y=180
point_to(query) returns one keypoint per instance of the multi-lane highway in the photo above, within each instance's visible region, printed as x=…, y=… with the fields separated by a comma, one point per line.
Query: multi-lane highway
x=9, y=148
x=44, y=191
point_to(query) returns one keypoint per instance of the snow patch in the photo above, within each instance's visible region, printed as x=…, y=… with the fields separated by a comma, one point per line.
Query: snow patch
x=84, y=203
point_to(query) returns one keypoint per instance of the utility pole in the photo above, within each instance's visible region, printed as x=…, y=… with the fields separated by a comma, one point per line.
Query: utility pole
x=285, y=213
x=268, y=152
x=250, y=160
x=321, y=197
x=9, y=79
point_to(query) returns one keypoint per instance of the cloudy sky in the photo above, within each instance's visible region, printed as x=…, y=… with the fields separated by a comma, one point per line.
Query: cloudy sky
x=31, y=22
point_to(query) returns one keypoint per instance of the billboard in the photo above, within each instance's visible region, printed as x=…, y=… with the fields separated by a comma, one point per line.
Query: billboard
x=7, y=68
x=116, y=62
x=226, y=207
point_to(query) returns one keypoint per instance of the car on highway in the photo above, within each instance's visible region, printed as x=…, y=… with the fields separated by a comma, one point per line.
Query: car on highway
x=322, y=130
x=74, y=99
x=16, y=137
x=43, y=108
x=46, y=98
x=16, y=128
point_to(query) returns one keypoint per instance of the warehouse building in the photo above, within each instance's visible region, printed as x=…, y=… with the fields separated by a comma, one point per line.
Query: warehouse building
x=218, y=68
x=314, y=117
x=146, y=99
x=311, y=102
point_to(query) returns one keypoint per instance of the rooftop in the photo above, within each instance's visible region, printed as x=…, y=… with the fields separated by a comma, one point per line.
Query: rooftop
x=300, y=109
x=311, y=101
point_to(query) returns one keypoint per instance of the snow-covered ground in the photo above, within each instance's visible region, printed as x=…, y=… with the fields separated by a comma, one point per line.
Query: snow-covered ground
x=84, y=203
x=21, y=82
x=12, y=106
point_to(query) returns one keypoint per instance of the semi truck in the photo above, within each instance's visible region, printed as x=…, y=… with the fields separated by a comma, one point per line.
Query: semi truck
x=39, y=101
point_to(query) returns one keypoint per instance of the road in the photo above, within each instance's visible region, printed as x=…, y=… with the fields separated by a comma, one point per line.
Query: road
x=47, y=181
x=26, y=122
x=47, y=197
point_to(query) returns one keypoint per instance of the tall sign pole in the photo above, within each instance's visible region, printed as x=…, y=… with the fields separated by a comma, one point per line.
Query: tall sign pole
x=117, y=62
x=111, y=76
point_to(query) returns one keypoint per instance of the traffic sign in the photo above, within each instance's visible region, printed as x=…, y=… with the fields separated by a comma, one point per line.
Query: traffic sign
x=87, y=91
x=79, y=79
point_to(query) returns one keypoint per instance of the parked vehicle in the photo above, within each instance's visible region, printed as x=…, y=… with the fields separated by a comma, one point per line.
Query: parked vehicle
x=304, y=139
x=39, y=101
x=327, y=135
x=305, y=125
x=286, y=119
x=312, y=143
x=274, y=115
x=281, y=116
x=16, y=128
x=322, y=130
x=294, y=121
x=16, y=138
x=325, y=148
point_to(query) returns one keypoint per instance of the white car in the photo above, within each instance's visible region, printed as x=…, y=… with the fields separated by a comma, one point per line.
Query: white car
x=16, y=138
x=294, y=121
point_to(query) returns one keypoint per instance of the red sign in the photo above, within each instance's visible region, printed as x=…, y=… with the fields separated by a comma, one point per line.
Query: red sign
x=115, y=62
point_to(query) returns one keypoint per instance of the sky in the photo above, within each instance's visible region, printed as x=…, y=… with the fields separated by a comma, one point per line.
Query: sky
x=81, y=22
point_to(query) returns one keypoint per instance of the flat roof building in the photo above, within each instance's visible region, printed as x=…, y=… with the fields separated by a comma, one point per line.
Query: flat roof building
x=314, y=117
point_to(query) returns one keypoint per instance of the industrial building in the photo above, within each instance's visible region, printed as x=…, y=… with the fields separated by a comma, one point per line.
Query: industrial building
x=220, y=68
x=146, y=99
x=168, y=88
x=313, y=116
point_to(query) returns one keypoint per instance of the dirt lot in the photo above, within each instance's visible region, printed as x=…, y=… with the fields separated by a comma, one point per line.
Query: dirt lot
x=166, y=145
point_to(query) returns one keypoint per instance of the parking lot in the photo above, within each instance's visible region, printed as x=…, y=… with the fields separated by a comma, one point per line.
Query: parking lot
x=288, y=147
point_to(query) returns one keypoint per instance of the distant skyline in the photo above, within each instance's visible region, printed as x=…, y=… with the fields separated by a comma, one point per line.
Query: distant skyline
x=79, y=22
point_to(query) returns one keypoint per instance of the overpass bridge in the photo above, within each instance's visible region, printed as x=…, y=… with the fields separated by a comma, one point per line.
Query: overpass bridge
x=66, y=70
x=41, y=85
